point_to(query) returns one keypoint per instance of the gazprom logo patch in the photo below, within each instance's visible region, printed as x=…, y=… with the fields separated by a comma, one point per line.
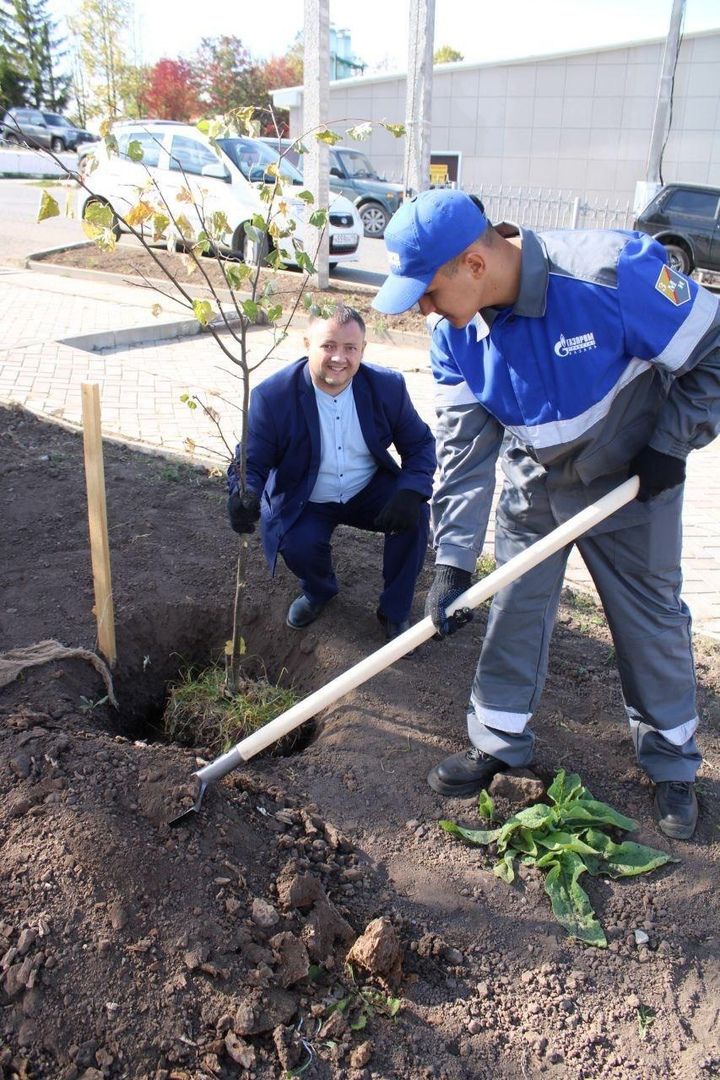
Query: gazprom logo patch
x=568, y=346
x=673, y=286
x=394, y=261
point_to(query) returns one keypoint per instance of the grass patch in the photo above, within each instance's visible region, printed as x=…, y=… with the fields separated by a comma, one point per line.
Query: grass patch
x=199, y=712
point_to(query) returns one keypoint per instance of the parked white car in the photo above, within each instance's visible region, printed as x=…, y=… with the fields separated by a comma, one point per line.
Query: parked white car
x=177, y=156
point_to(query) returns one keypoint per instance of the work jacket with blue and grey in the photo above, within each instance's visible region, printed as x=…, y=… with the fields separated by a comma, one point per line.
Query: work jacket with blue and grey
x=605, y=351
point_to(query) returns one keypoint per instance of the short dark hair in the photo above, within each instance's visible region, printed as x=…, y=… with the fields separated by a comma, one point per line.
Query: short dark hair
x=341, y=313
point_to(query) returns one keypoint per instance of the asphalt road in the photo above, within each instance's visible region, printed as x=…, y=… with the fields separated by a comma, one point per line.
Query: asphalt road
x=21, y=235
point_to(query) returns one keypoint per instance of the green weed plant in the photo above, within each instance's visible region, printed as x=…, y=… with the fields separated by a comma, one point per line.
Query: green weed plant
x=566, y=839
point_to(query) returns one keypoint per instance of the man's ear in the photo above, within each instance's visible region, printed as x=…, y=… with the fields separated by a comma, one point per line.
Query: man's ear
x=475, y=262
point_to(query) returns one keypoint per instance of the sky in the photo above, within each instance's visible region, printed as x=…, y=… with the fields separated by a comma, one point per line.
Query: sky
x=482, y=30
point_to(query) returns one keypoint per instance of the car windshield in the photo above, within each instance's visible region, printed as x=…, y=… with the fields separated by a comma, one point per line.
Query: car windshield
x=250, y=156
x=56, y=121
x=356, y=165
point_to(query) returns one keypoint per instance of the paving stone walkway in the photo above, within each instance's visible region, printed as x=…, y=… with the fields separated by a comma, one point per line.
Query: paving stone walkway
x=53, y=325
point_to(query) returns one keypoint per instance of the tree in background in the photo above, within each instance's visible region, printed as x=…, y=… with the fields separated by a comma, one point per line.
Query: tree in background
x=170, y=93
x=226, y=76
x=100, y=27
x=30, y=53
x=12, y=83
x=446, y=55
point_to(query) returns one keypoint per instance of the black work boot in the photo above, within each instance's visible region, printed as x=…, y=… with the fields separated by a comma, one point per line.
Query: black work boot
x=302, y=612
x=465, y=774
x=676, y=808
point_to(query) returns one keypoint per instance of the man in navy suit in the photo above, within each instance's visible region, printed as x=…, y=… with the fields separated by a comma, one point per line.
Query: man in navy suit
x=319, y=433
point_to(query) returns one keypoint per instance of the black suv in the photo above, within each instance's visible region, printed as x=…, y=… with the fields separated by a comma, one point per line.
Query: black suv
x=684, y=218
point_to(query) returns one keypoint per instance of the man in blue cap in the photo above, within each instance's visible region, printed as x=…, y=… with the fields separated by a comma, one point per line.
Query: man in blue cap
x=592, y=360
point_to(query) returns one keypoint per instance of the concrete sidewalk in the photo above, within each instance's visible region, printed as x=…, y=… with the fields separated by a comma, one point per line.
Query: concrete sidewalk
x=53, y=326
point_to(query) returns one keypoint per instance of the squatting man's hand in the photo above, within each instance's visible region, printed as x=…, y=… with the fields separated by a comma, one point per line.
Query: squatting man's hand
x=401, y=512
x=243, y=511
x=449, y=583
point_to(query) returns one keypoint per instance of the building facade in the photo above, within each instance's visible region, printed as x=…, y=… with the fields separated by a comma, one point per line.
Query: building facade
x=578, y=121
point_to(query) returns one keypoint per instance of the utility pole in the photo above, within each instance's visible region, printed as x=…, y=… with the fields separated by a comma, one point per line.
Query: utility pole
x=315, y=113
x=421, y=33
x=647, y=189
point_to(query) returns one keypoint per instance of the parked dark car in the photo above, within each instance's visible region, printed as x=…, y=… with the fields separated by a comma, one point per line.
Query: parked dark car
x=684, y=218
x=70, y=135
x=353, y=175
x=35, y=127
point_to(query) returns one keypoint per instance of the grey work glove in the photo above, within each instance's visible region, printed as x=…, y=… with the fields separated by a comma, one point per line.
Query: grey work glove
x=657, y=472
x=243, y=511
x=448, y=584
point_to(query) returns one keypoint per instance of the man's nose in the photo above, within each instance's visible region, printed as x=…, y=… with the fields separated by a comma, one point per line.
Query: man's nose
x=426, y=305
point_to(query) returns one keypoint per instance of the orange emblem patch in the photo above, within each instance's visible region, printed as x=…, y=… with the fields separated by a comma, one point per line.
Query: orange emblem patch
x=673, y=286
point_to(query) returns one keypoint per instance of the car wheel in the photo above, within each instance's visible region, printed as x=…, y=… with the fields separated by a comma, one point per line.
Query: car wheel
x=115, y=226
x=374, y=219
x=11, y=138
x=678, y=258
x=57, y=145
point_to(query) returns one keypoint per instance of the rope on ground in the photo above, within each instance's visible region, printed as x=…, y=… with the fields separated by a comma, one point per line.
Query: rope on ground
x=16, y=660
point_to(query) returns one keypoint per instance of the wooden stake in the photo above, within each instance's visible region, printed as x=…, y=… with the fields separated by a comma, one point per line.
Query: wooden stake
x=97, y=520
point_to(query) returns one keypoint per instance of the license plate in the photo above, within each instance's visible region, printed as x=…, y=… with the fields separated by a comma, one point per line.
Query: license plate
x=344, y=239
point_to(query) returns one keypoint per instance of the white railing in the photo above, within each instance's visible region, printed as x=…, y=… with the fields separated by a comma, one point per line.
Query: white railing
x=542, y=209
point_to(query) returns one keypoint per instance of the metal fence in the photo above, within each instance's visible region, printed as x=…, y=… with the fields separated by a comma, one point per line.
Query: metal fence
x=542, y=209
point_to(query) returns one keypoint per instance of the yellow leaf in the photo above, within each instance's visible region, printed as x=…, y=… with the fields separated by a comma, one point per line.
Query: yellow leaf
x=156, y=309
x=48, y=207
x=139, y=213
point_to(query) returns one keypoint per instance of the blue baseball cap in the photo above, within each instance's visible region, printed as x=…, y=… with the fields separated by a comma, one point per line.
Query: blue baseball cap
x=425, y=233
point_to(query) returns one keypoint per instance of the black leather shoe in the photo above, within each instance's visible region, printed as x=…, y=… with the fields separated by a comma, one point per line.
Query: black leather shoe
x=392, y=629
x=676, y=808
x=466, y=773
x=302, y=612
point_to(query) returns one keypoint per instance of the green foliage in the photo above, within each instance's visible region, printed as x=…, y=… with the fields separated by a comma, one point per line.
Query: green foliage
x=397, y=130
x=360, y=1003
x=48, y=207
x=200, y=713
x=485, y=806
x=565, y=839
x=646, y=1018
x=203, y=311
x=328, y=137
x=99, y=225
x=446, y=55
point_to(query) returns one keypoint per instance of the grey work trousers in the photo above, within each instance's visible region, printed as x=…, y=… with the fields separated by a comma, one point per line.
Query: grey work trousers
x=636, y=571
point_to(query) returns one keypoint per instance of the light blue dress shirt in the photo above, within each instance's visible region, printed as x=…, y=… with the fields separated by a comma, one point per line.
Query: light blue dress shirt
x=346, y=464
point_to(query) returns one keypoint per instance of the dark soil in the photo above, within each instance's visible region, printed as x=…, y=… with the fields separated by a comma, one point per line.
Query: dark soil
x=130, y=262
x=130, y=949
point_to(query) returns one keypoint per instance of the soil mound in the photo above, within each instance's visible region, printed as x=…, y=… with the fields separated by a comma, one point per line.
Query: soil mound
x=130, y=949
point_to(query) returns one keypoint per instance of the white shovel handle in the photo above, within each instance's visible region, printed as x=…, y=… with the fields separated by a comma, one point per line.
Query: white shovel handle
x=561, y=536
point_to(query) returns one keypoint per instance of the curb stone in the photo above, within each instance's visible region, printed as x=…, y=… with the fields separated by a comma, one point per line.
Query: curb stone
x=37, y=262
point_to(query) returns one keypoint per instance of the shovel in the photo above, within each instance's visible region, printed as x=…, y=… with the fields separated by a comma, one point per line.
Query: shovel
x=422, y=631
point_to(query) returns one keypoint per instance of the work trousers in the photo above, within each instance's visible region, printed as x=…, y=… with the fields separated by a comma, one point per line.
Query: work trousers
x=636, y=571
x=307, y=551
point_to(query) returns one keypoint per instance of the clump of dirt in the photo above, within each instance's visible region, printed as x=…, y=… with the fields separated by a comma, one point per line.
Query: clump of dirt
x=131, y=262
x=218, y=949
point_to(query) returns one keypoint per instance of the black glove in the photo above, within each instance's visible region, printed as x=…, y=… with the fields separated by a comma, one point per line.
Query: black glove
x=243, y=511
x=401, y=512
x=448, y=584
x=657, y=472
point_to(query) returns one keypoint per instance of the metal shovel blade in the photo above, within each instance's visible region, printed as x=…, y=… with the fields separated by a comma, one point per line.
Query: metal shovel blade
x=422, y=631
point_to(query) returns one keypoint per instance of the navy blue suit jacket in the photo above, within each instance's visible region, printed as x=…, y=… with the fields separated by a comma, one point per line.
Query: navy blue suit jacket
x=283, y=443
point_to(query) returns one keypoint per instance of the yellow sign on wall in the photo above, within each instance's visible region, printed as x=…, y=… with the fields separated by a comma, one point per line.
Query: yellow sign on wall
x=438, y=175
